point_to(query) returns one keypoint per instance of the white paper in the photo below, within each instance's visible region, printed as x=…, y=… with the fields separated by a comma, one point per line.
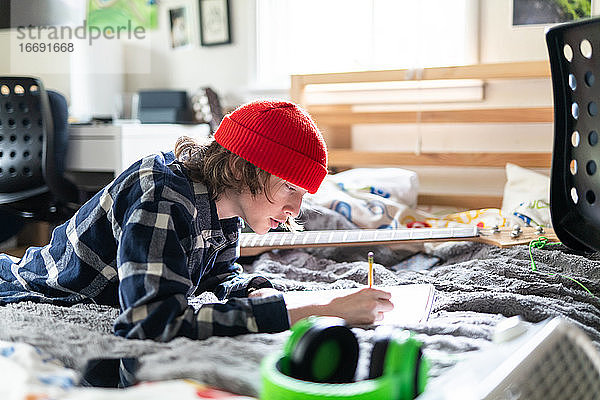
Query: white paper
x=412, y=303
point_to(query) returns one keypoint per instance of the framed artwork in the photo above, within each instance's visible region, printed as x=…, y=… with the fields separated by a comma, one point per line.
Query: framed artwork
x=538, y=12
x=215, y=26
x=179, y=27
x=113, y=13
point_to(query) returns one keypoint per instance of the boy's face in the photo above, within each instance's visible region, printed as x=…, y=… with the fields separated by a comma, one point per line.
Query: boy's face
x=262, y=214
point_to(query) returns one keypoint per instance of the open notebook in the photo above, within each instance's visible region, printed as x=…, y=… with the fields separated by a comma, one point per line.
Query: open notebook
x=412, y=303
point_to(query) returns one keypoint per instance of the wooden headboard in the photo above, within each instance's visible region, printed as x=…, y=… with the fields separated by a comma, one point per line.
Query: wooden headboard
x=337, y=121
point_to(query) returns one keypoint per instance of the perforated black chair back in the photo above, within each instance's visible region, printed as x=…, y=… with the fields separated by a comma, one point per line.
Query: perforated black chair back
x=21, y=139
x=574, y=50
x=33, y=141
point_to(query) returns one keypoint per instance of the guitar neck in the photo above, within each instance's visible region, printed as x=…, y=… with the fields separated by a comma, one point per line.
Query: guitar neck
x=253, y=244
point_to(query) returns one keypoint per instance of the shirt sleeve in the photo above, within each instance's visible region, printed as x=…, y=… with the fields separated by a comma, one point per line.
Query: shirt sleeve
x=226, y=279
x=154, y=280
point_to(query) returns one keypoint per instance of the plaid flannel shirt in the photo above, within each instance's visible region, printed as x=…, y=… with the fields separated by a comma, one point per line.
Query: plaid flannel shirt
x=146, y=243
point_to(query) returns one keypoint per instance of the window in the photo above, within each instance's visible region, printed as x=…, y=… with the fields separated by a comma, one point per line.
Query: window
x=313, y=36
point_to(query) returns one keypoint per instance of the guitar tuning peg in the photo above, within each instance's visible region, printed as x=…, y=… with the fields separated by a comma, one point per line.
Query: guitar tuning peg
x=539, y=230
x=516, y=231
x=495, y=229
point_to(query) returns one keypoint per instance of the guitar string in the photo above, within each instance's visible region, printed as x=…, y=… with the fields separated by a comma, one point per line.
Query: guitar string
x=540, y=243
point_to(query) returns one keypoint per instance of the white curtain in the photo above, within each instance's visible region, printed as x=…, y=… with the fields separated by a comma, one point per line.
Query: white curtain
x=312, y=36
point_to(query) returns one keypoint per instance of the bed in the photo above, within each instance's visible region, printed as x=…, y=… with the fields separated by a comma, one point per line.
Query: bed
x=470, y=119
x=477, y=285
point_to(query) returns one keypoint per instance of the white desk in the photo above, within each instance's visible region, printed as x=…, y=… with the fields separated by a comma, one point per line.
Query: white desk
x=113, y=148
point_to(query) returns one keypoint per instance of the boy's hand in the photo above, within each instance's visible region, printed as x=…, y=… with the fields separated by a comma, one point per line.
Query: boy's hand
x=363, y=307
x=263, y=292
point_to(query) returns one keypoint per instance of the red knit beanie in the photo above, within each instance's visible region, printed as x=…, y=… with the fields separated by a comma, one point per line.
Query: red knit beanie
x=278, y=137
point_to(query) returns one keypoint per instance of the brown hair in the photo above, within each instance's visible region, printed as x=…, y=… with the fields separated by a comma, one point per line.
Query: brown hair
x=220, y=169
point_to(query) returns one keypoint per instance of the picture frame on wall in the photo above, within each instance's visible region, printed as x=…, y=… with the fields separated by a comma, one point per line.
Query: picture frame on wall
x=542, y=12
x=215, y=24
x=180, y=33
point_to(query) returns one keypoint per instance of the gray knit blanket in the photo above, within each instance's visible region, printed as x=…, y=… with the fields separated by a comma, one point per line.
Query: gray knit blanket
x=476, y=287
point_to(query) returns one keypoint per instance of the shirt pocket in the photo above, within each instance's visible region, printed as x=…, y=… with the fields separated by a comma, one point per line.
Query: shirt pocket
x=202, y=259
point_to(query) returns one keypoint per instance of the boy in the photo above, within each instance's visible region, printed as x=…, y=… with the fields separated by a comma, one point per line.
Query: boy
x=167, y=228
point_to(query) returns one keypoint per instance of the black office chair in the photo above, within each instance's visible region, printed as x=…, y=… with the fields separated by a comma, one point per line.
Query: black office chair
x=33, y=147
x=574, y=50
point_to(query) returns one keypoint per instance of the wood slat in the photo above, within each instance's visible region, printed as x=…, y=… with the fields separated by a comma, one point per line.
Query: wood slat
x=297, y=89
x=338, y=136
x=483, y=115
x=351, y=158
x=510, y=70
x=463, y=201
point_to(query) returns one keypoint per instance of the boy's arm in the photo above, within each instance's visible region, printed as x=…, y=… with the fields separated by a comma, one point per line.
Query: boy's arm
x=226, y=280
x=154, y=280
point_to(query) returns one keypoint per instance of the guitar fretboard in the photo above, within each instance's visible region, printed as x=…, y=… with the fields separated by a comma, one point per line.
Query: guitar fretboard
x=348, y=237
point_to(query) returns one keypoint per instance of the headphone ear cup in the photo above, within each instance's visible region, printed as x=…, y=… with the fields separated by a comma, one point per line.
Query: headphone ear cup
x=400, y=355
x=378, y=354
x=326, y=353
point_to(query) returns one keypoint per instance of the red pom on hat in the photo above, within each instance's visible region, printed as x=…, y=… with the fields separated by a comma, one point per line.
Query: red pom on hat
x=278, y=137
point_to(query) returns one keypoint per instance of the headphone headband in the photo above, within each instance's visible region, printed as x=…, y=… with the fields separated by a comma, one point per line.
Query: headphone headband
x=315, y=362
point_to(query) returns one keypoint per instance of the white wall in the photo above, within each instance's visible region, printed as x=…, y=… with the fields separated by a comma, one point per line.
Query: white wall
x=501, y=42
x=229, y=69
x=58, y=81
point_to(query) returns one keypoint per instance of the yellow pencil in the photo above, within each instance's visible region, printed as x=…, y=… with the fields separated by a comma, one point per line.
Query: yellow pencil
x=370, y=258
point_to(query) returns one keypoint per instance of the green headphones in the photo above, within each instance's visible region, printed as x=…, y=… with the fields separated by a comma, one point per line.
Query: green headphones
x=320, y=357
